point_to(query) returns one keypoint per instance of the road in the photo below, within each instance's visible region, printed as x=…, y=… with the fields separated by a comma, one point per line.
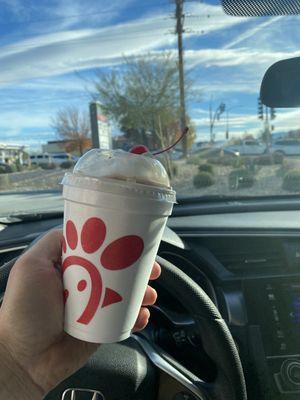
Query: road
x=33, y=180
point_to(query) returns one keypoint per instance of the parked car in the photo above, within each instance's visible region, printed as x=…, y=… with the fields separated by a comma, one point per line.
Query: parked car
x=286, y=147
x=38, y=159
x=248, y=147
x=59, y=158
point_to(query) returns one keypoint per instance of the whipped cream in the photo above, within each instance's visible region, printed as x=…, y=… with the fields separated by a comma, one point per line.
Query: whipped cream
x=122, y=165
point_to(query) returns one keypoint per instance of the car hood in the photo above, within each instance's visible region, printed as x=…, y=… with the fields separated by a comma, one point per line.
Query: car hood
x=28, y=202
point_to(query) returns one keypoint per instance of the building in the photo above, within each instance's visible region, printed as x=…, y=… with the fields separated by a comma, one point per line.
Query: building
x=10, y=153
x=65, y=146
x=56, y=146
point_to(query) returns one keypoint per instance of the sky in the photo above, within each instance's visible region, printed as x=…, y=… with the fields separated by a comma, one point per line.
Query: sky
x=49, y=55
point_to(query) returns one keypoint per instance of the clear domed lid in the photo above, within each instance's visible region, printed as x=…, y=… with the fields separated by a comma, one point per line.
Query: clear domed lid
x=122, y=165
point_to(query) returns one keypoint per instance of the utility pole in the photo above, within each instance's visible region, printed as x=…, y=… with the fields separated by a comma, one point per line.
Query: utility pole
x=179, y=31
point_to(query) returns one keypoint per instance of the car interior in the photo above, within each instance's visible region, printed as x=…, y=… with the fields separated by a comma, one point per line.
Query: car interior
x=226, y=325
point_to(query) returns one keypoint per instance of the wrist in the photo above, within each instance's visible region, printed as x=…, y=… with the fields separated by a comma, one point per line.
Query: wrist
x=15, y=382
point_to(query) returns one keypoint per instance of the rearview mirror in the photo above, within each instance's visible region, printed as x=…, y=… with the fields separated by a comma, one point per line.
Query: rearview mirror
x=280, y=87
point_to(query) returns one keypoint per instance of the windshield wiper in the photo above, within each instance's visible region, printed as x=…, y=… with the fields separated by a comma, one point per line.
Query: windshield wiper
x=30, y=217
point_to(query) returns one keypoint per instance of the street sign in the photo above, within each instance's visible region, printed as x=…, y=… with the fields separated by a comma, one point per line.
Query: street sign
x=101, y=131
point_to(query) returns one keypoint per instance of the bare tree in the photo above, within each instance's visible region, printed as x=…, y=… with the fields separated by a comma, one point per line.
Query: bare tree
x=73, y=126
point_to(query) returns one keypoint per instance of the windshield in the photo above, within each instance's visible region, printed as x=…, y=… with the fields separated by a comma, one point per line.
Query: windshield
x=78, y=75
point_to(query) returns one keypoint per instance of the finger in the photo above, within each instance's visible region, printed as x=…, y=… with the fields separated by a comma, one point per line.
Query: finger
x=150, y=297
x=49, y=247
x=156, y=271
x=142, y=319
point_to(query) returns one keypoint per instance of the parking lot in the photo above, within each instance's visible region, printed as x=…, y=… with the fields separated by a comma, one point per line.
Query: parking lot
x=38, y=179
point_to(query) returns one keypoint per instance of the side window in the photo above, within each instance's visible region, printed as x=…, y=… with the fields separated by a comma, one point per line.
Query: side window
x=39, y=157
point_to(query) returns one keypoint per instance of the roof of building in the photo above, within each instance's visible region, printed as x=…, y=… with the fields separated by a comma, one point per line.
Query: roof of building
x=6, y=146
x=59, y=141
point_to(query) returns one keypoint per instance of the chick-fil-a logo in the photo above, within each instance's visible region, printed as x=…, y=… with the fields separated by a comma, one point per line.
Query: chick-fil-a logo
x=120, y=254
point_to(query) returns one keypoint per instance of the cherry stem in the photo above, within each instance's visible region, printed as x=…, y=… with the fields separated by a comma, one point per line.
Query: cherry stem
x=184, y=132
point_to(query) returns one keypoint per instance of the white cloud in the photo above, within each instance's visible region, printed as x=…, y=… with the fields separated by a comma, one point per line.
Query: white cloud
x=17, y=120
x=249, y=33
x=63, y=52
x=222, y=88
x=236, y=57
x=69, y=50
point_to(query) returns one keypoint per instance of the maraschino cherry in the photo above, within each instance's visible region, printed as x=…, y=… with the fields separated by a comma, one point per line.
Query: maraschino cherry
x=141, y=149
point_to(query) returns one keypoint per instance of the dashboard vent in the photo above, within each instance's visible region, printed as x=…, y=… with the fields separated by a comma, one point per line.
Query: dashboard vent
x=252, y=261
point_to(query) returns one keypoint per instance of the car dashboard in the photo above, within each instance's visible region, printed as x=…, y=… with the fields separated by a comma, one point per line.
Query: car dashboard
x=249, y=265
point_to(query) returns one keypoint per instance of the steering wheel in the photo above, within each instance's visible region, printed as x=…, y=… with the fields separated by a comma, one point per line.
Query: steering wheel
x=129, y=370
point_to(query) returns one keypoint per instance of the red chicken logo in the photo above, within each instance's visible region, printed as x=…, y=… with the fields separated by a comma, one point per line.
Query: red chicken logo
x=118, y=255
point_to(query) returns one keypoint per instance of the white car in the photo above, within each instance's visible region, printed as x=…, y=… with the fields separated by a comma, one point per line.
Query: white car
x=286, y=147
x=248, y=147
x=38, y=159
x=59, y=158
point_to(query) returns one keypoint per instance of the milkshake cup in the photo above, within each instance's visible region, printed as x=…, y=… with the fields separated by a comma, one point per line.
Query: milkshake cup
x=116, y=208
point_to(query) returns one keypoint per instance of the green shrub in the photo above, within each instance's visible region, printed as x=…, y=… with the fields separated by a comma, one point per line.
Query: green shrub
x=278, y=158
x=206, y=168
x=240, y=178
x=203, y=179
x=47, y=165
x=67, y=164
x=11, y=168
x=291, y=180
x=2, y=170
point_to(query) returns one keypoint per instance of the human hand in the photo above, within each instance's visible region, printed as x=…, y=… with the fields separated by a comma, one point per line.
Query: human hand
x=31, y=320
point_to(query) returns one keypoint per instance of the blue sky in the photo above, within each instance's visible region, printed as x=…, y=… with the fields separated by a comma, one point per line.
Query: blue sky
x=48, y=53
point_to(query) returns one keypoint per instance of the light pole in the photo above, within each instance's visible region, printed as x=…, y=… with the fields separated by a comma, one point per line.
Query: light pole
x=227, y=125
x=266, y=114
x=213, y=117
